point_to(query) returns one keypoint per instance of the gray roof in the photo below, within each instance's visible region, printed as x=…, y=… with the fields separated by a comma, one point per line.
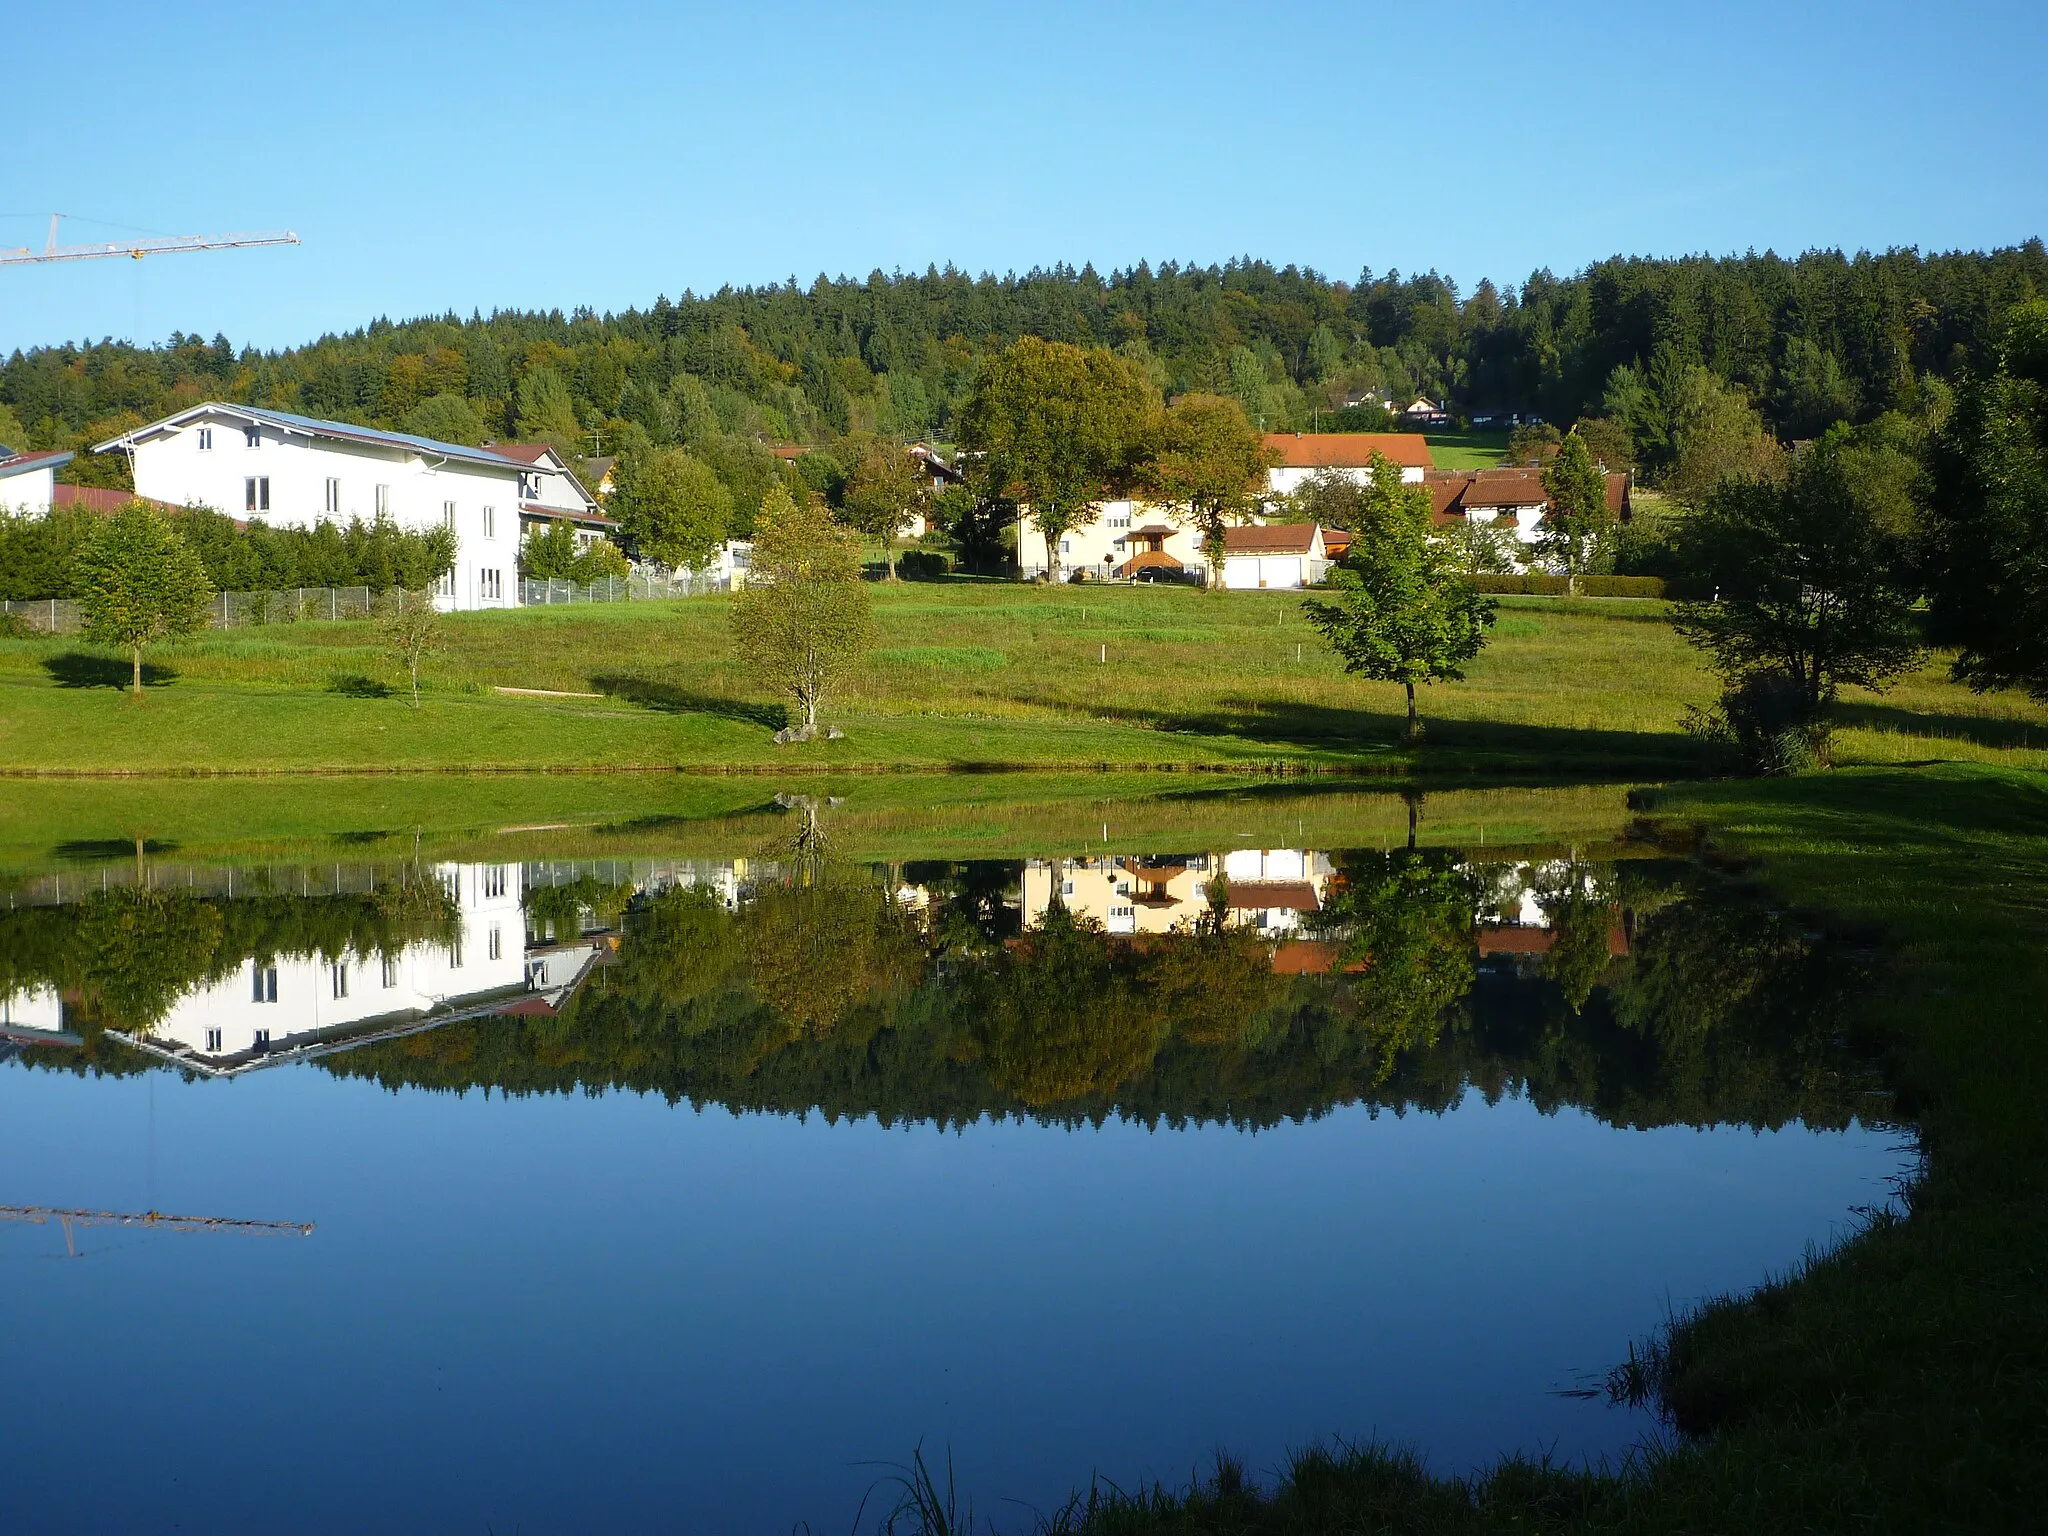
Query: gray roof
x=21, y=463
x=313, y=426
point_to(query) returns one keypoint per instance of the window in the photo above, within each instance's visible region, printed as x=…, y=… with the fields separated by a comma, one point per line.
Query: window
x=256, y=493
x=448, y=515
x=213, y=1042
x=263, y=980
x=452, y=884
x=1066, y=887
x=339, y=974
x=1122, y=911
x=497, y=943
x=490, y=522
x=490, y=584
x=333, y=494
x=493, y=881
x=1066, y=546
x=444, y=584
x=206, y=439
x=262, y=1039
x=252, y=436
x=390, y=973
x=383, y=501
x=455, y=955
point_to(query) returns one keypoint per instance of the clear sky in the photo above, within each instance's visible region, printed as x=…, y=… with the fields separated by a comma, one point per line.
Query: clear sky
x=440, y=156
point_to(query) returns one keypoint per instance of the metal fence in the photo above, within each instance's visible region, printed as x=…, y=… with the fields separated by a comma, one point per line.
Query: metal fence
x=622, y=589
x=236, y=610
x=44, y=615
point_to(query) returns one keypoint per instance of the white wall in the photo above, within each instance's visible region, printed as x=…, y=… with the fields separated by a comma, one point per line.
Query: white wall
x=38, y=1008
x=1084, y=548
x=29, y=491
x=420, y=978
x=1287, y=480
x=175, y=468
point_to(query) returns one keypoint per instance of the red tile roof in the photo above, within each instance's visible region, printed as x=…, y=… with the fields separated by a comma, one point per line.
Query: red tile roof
x=98, y=498
x=1263, y=895
x=1348, y=450
x=520, y=453
x=1455, y=492
x=1272, y=539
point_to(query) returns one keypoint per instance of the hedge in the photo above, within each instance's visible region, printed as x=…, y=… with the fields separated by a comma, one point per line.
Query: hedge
x=1589, y=586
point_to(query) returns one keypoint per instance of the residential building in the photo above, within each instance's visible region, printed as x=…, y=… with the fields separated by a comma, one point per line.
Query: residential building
x=274, y=467
x=1277, y=555
x=1275, y=890
x=28, y=481
x=1514, y=495
x=1300, y=455
x=549, y=492
x=1124, y=539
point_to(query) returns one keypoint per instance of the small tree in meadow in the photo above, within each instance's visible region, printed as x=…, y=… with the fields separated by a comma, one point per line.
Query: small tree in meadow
x=140, y=583
x=1577, y=523
x=410, y=626
x=884, y=491
x=1400, y=610
x=802, y=620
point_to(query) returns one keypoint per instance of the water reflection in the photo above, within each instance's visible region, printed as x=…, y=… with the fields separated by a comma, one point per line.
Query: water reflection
x=1242, y=985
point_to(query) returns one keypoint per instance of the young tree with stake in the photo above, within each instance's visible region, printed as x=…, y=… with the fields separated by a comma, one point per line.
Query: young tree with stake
x=140, y=583
x=1400, y=610
x=410, y=626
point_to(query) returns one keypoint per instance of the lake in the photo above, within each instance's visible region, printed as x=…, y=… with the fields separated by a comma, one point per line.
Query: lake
x=666, y=1179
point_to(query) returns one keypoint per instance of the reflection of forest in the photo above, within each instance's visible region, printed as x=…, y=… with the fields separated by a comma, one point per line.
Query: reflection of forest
x=1653, y=995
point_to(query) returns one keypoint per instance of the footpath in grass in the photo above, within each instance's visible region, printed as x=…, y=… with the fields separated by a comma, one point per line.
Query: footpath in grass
x=1899, y=1383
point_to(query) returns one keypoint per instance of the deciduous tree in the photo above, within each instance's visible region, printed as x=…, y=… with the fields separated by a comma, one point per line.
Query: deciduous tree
x=672, y=507
x=140, y=583
x=1209, y=464
x=411, y=628
x=1060, y=428
x=1399, y=609
x=884, y=490
x=803, y=620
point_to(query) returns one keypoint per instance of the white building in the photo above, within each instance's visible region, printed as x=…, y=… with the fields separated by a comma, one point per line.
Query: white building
x=273, y=467
x=28, y=481
x=1125, y=538
x=549, y=492
x=1300, y=455
x=1283, y=556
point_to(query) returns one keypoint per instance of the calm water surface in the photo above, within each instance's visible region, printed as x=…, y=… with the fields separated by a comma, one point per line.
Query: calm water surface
x=672, y=1194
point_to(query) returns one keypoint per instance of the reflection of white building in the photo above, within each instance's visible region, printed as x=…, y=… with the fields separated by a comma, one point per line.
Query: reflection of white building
x=1273, y=890
x=35, y=1011
x=290, y=1006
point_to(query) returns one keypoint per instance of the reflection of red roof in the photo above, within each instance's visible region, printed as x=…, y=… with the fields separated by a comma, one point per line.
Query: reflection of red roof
x=1348, y=450
x=1309, y=957
x=530, y=1007
x=1263, y=895
x=1515, y=939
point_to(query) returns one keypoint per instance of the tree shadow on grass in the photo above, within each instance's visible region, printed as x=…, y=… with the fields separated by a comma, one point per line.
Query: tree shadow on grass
x=77, y=669
x=1447, y=744
x=356, y=686
x=1984, y=730
x=681, y=701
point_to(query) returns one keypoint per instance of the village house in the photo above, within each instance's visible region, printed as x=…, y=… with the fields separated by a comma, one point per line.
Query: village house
x=28, y=481
x=1284, y=556
x=1513, y=496
x=1300, y=455
x=550, y=493
x=274, y=467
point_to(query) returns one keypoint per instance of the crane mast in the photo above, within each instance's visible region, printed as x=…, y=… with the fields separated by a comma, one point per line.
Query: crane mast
x=38, y=1215
x=155, y=245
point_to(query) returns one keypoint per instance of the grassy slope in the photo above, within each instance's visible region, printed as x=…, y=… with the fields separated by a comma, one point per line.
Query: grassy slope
x=1467, y=450
x=962, y=674
x=1900, y=1383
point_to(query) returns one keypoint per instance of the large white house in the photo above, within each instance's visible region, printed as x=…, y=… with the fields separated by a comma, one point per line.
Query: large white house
x=1300, y=455
x=274, y=467
x=28, y=481
x=549, y=492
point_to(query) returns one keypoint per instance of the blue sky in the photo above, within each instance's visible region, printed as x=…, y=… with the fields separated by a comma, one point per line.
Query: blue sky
x=438, y=156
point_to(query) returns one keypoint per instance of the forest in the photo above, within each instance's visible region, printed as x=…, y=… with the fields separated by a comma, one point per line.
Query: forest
x=1809, y=341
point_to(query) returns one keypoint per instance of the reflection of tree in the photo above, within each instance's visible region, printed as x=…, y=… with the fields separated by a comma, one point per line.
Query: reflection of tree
x=1060, y=1018
x=565, y=906
x=1581, y=913
x=822, y=942
x=143, y=950
x=1211, y=985
x=1406, y=918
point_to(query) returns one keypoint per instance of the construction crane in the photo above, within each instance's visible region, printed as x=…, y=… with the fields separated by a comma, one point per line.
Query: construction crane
x=38, y=1215
x=155, y=245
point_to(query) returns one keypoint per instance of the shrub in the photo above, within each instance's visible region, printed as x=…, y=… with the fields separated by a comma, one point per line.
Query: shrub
x=1766, y=724
x=1536, y=584
x=922, y=565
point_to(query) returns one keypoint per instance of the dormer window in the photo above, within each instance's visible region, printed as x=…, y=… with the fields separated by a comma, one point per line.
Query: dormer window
x=252, y=436
x=206, y=439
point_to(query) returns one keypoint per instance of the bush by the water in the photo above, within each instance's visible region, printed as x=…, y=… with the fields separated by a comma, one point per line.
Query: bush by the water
x=1538, y=585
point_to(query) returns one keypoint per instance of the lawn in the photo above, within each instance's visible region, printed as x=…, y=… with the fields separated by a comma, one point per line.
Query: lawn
x=1481, y=449
x=962, y=675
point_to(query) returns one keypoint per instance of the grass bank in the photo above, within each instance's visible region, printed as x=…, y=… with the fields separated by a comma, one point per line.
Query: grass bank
x=1899, y=1383
x=963, y=675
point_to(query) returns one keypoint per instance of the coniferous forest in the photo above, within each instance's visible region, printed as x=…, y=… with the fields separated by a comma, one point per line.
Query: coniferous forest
x=1811, y=340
